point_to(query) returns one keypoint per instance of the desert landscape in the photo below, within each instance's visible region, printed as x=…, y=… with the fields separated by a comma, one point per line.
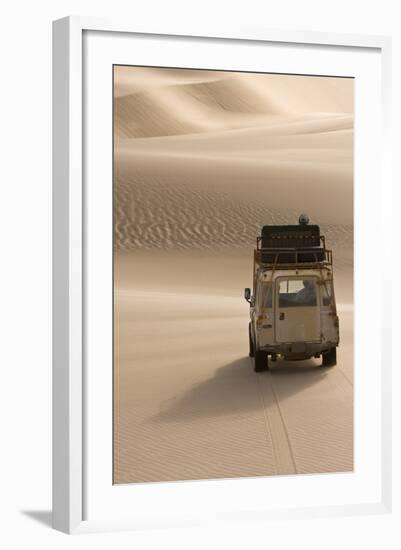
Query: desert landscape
x=203, y=159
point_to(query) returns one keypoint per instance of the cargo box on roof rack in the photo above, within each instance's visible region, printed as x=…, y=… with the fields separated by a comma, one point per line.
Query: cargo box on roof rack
x=290, y=236
x=291, y=244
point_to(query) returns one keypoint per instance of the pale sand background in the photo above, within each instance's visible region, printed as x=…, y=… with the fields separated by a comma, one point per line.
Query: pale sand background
x=202, y=160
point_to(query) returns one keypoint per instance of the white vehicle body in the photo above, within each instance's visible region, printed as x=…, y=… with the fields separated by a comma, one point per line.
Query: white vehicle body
x=292, y=309
x=290, y=328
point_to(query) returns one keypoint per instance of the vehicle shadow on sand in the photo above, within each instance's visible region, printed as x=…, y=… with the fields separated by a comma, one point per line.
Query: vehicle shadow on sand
x=235, y=389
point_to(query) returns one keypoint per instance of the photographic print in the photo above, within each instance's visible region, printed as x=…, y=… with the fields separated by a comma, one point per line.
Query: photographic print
x=233, y=274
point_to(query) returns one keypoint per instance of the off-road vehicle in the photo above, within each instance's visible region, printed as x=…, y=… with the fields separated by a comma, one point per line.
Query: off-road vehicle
x=292, y=307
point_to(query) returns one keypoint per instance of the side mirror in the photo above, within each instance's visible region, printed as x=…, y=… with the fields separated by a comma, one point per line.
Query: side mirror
x=247, y=295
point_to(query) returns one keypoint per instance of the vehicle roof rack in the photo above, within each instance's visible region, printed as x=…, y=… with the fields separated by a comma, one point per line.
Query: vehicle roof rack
x=291, y=247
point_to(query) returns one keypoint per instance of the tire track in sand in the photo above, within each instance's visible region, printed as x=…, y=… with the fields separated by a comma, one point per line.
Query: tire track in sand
x=275, y=426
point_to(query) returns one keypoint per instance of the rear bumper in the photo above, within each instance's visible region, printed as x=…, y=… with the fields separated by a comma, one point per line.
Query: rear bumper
x=298, y=350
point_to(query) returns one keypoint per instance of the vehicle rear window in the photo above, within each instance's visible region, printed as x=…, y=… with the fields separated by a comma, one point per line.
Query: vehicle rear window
x=297, y=292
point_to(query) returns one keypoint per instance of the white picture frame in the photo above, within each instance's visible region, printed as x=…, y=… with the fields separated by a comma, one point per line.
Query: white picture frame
x=72, y=254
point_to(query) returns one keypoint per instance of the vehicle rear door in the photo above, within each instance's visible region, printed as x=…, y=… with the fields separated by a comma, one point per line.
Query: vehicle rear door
x=297, y=309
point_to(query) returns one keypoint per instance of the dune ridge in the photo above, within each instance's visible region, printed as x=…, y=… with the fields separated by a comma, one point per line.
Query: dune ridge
x=208, y=101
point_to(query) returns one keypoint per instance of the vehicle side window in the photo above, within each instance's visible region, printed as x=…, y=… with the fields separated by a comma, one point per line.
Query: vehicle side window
x=327, y=293
x=258, y=298
x=297, y=293
x=264, y=297
x=267, y=297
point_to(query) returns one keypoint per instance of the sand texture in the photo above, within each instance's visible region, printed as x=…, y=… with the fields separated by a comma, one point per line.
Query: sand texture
x=202, y=159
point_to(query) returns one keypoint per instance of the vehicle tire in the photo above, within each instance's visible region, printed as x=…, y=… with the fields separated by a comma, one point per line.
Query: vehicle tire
x=330, y=358
x=251, y=347
x=260, y=361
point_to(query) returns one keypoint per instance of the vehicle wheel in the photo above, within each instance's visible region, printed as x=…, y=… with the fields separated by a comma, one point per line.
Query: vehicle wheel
x=330, y=358
x=251, y=348
x=261, y=362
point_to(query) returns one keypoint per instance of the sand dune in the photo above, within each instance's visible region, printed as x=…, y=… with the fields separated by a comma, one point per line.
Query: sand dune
x=295, y=132
x=190, y=191
x=128, y=79
x=202, y=159
x=181, y=173
x=183, y=217
x=206, y=101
